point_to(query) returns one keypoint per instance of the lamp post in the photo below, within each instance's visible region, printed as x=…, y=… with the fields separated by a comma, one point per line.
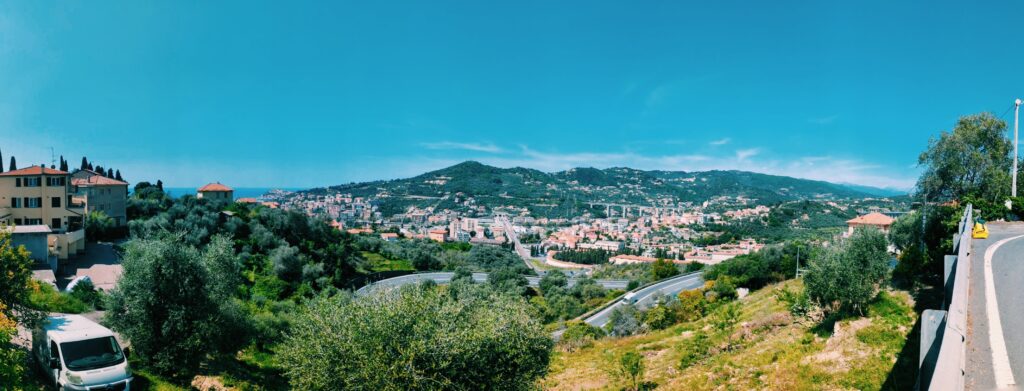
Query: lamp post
x=1016, y=112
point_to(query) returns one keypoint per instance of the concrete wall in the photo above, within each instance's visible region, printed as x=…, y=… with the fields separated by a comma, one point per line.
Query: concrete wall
x=35, y=243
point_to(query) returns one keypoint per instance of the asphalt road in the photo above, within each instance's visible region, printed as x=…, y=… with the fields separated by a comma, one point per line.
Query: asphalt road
x=644, y=297
x=995, y=319
x=446, y=277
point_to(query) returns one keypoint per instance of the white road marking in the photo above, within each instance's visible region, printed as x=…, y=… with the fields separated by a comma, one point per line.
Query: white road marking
x=1000, y=359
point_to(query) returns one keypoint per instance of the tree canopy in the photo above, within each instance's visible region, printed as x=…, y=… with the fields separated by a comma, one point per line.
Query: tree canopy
x=413, y=338
x=971, y=160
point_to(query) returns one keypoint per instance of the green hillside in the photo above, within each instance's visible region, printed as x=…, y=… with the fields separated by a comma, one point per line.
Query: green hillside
x=562, y=194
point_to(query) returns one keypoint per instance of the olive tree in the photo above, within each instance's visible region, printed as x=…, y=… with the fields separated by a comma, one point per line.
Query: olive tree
x=414, y=339
x=174, y=303
x=849, y=274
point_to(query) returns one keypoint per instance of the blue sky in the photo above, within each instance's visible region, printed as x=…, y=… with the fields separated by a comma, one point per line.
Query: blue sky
x=300, y=94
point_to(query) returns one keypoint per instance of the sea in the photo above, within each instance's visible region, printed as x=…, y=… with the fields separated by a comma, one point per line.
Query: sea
x=240, y=192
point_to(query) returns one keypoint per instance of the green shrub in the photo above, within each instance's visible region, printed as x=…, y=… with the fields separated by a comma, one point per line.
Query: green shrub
x=579, y=335
x=694, y=350
x=45, y=297
x=659, y=317
x=692, y=305
x=86, y=292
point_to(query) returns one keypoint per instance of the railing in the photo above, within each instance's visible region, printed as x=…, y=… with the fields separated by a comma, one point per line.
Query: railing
x=944, y=332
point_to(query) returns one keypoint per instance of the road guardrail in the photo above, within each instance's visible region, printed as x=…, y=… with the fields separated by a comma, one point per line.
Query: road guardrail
x=942, y=361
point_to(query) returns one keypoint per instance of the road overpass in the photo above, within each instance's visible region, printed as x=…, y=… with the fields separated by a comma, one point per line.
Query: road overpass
x=446, y=277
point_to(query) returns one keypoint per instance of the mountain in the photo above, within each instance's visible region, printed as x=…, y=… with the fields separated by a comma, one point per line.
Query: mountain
x=877, y=191
x=470, y=185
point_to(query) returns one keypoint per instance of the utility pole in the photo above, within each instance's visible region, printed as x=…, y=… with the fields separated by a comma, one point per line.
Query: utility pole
x=1016, y=112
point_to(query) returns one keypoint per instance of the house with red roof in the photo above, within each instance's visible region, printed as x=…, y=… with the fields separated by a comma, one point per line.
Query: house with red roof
x=216, y=191
x=873, y=220
x=100, y=193
x=39, y=200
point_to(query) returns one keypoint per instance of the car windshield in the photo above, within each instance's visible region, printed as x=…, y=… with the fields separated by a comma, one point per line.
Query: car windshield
x=91, y=353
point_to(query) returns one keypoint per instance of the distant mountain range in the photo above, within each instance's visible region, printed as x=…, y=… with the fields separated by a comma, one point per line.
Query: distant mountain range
x=470, y=184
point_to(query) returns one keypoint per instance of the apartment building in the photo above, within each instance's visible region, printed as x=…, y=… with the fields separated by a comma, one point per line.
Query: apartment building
x=39, y=196
x=37, y=201
x=102, y=194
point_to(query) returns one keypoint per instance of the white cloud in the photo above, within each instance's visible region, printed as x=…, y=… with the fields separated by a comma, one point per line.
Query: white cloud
x=476, y=147
x=745, y=154
x=720, y=142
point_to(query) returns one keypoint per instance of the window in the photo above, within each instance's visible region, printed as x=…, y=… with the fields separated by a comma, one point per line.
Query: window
x=15, y=202
x=92, y=353
x=36, y=202
x=17, y=182
x=55, y=223
x=55, y=181
x=33, y=221
x=17, y=221
x=55, y=202
x=32, y=182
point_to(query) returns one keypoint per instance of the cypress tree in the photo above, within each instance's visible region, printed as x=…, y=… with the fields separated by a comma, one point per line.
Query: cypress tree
x=117, y=175
x=63, y=163
x=1, y=162
x=160, y=185
x=14, y=164
x=85, y=163
x=110, y=173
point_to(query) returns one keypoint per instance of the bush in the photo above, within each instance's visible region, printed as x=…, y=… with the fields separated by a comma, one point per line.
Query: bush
x=624, y=321
x=46, y=298
x=724, y=288
x=631, y=370
x=662, y=269
x=659, y=317
x=694, y=350
x=850, y=273
x=12, y=359
x=409, y=338
x=86, y=292
x=579, y=335
x=99, y=226
x=692, y=305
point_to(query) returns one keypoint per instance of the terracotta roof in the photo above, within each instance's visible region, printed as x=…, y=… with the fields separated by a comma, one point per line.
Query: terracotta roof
x=97, y=180
x=215, y=187
x=247, y=200
x=34, y=170
x=873, y=218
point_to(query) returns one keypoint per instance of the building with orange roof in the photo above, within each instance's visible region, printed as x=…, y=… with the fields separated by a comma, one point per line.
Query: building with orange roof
x=102, y=194
x=438, y=235
x=873, y=219
x=216, y=192
x=40, y=200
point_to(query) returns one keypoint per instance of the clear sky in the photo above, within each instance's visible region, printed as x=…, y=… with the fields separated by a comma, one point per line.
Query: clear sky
x=301, y=94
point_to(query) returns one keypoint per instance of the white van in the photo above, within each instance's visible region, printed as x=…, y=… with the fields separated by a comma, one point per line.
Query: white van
x=79, y=354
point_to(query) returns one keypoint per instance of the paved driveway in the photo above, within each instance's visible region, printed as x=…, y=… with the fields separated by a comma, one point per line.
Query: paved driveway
x=98, y=261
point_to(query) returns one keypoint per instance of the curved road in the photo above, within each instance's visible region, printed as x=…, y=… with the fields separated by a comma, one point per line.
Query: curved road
x=446, y=277
x=995, y=342
x=643, y=297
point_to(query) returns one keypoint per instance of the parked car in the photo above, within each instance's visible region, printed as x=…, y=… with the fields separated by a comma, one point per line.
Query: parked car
x=76, y=353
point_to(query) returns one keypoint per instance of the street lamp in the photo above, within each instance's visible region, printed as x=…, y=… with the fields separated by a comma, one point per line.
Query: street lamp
x=1016, y=112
